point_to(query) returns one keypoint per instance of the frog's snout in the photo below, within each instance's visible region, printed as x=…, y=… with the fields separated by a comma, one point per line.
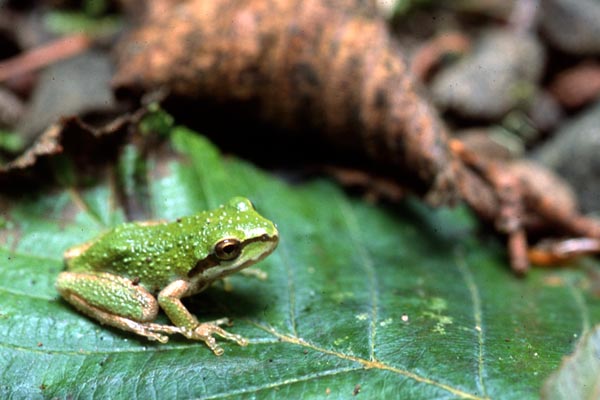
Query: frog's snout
x=270, y=238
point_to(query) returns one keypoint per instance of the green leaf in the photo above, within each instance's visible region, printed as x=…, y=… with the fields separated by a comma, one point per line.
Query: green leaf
x=579, y=375
x=69, y=22
x=360, y=300
x=11, y=141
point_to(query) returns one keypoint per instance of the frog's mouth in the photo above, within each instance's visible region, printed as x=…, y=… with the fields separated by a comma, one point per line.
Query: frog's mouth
x=250, y=257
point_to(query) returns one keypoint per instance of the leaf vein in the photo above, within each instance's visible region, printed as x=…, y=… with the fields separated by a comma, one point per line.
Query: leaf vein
x=26, y=255
x=291, y=285
x=370, y=364
x=157, y=348
x=80, y=202
x=367, y=264
x=188, y=146
x=23, y=294
x=477, y=316
x=284, y=382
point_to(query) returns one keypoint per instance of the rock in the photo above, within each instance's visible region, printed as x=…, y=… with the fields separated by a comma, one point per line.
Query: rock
x=491, y=143
x=11, y=108
x=500, y=74
x=572, y=25
x=573, y=153
x=545, y=112
x=72, y=87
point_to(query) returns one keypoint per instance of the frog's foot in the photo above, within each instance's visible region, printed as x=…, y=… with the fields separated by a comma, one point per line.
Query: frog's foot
x=206, y=330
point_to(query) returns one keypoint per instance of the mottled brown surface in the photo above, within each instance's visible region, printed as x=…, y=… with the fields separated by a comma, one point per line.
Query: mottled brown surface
x=304, y=66
x=318, y=70
x=522, y=199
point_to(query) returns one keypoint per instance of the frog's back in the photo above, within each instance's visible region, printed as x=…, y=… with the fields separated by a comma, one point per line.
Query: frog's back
x=133, y=249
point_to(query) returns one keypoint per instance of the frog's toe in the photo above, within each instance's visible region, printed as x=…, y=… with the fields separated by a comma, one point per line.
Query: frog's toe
x=220, y=321
x=216, y=329
x=212, y=344
x=242, y=341
x=205, y=332
x=157, y=337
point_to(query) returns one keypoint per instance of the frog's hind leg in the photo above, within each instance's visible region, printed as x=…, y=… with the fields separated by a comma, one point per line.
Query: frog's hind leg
x=78, y=250
x=114, y=301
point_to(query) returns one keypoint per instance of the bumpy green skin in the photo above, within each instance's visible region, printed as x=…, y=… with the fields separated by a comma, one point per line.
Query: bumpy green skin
x=123, y=276
x=156, y=255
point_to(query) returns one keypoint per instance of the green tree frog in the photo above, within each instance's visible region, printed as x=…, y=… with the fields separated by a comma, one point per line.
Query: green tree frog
x=122, y=277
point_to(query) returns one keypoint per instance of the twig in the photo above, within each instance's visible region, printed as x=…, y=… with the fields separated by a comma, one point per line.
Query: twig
x=44, y=55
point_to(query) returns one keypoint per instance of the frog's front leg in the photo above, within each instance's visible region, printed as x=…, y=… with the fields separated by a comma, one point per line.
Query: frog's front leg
x=114, y=300
x=170, y=301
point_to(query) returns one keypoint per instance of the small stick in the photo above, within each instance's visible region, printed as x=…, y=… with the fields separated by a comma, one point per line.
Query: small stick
x=44, y=55
x=553, y=252
x=429, y=55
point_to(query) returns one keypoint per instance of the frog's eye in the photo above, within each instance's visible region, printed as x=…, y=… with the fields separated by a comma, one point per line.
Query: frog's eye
x=228, y=249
